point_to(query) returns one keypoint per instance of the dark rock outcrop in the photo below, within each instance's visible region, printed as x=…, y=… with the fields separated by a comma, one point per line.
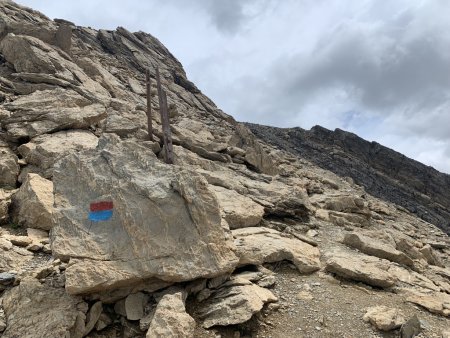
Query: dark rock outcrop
x=383, y=172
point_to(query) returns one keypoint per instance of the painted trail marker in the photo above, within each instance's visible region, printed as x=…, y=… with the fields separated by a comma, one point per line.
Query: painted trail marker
x=101, y=211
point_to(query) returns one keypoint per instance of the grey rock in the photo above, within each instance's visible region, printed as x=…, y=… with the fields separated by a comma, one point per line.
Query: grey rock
x=92, y=317
x=360, y=267
x=411, y=328
x=7, y=278
x=234, y=304
x=147, y=196
x=170, y=318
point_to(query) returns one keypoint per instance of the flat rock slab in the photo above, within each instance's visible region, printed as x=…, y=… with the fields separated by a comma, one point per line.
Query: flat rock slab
x=49, y=111
x=234, y=305
x=259, y=245
x=238, y=210
x=123, y=216
x=35, y=310
x=436, y=302
x=361, y=268
x=377, y=248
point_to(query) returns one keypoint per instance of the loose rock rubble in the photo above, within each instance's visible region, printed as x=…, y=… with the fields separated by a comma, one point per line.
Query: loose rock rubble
x=237, y=238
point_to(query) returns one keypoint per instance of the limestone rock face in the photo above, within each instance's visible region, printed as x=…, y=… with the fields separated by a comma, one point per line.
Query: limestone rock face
x=170, y=318
x=164, y=221
x=359, y=267
x=234, y=304
x=262, y=245
x=49, y=111
x=33, y=203
x=34, y=310
x=32, y=57
x=239, y=211
x=43, y=151
x=388, y=175
x=384, y=318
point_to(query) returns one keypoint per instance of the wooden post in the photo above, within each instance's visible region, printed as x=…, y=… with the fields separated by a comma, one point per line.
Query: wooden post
x=167, y=137
x=149, y=104
x=166, y=131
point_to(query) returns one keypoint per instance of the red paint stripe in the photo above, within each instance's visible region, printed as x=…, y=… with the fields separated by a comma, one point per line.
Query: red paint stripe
x=100, y=206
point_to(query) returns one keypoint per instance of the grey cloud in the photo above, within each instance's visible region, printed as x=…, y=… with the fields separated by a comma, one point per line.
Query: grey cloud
x=384, y=70
x=230, y=16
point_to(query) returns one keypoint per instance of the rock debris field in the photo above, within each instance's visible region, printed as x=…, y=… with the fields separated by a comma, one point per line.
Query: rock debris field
x=100, y=237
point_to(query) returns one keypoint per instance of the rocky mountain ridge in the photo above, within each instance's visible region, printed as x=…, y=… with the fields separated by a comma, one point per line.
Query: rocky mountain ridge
x=237, y=238
x=383, y=172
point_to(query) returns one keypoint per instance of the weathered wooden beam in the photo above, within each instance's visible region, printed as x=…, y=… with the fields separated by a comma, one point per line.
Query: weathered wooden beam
x=167, y=136
x=149, y=104
x=166, y=131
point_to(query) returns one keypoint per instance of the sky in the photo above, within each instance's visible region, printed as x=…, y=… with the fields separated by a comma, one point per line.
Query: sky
x=380, y=69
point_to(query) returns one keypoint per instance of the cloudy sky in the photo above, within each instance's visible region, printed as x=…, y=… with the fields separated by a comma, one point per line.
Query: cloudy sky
x=380, y=69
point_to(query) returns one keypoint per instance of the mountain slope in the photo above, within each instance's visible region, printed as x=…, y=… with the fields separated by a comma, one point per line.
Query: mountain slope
x=100, y=237
x=383, y=172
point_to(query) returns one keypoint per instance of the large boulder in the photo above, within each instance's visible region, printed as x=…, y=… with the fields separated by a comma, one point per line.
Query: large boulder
x=238, y=210
x=124, y=217
x=33, y=203
x=259, y=245
x=44, y=150
x=35, y=310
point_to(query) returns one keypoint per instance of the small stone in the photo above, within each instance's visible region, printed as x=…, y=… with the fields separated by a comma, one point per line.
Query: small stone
x=411, y=328
x=273, y=307
x=103, y=321
x=5, y=244
x=134, y=305
x=306, y=287
x=144, y=323
x=21, y=241
x=93, y=316
x=384, y=318
x=7, y=278
x=203, y=295
x=305, y=295
x=34, y=247
x=312, y=233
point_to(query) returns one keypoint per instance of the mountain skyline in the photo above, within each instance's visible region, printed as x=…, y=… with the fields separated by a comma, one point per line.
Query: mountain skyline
x=377, y=70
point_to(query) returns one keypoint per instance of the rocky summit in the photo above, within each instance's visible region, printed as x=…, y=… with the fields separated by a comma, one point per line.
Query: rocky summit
x=293, y=234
